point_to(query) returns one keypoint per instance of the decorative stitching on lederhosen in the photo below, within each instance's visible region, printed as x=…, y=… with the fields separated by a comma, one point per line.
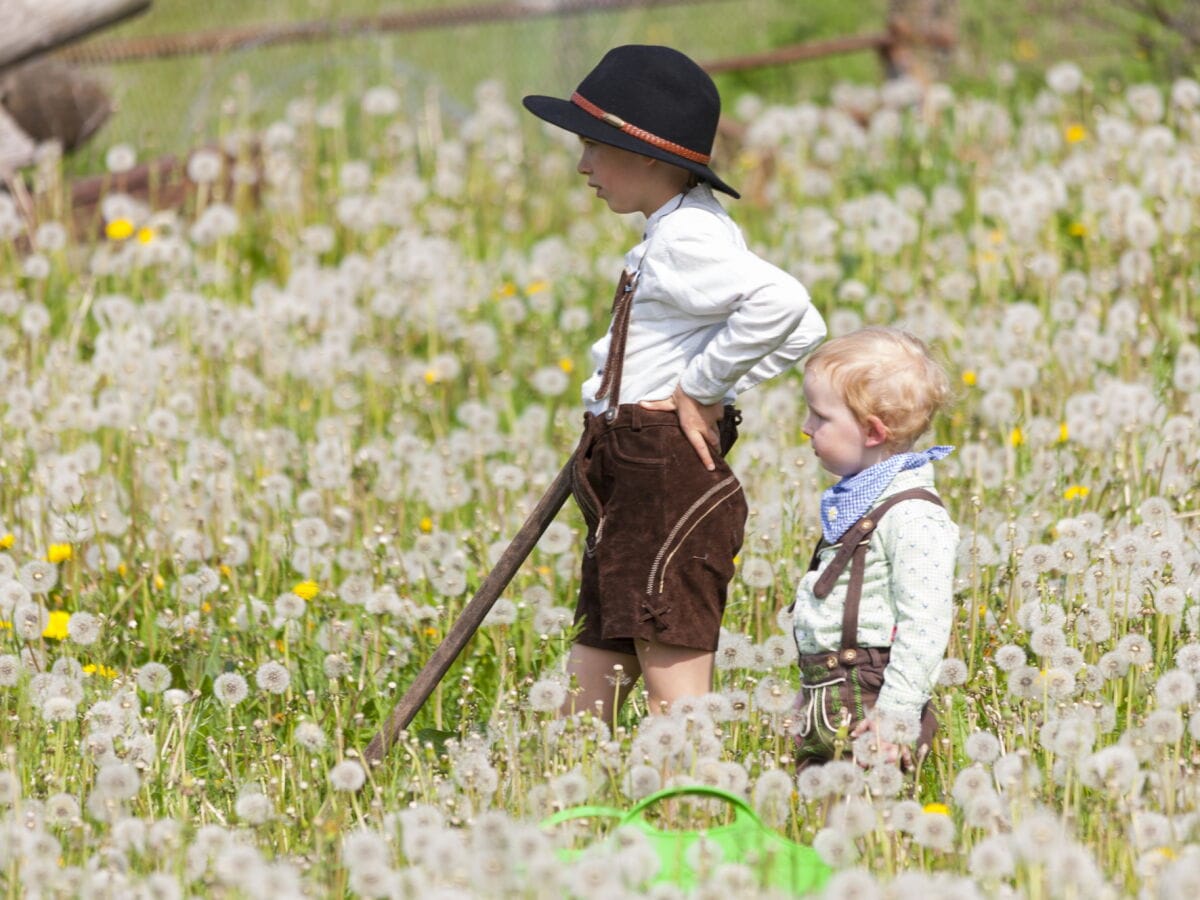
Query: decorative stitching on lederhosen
x=840, y=668
x=694, y=515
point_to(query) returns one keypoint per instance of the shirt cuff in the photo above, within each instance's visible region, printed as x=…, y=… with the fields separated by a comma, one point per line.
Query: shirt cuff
x=894, y=704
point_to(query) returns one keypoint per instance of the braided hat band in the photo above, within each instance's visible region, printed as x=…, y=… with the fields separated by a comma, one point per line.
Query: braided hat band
x=640, y=133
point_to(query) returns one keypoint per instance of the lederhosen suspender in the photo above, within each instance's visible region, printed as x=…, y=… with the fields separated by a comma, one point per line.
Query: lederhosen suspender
x=614, y=363
x=853, y=551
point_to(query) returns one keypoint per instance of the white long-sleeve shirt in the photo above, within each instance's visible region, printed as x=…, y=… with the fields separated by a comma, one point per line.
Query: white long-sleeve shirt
x=708, y=314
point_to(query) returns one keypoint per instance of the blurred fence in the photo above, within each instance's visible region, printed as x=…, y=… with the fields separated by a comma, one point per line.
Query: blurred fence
x=910, y=37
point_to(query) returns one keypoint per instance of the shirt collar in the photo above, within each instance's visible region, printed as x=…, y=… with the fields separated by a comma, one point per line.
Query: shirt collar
x=663, y=211
x=852, y=498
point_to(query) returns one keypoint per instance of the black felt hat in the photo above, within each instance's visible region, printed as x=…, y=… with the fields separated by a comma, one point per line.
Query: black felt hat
x=649, y=100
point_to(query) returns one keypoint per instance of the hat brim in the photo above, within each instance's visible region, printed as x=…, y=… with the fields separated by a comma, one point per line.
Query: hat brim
x=569, y=117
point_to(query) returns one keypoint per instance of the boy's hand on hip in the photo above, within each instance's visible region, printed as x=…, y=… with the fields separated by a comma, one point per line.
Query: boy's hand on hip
x=698, y=421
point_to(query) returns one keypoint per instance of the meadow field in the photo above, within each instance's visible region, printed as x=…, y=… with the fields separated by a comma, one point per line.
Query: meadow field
x=257, y=453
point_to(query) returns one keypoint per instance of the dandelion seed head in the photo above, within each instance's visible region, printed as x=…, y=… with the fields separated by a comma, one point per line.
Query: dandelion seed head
x=347, y=776
x=1009, y=658
x=230, y=688
x=1175, y=688
x=153, y=678
x=991, y=859
x=10, y=669
x=935, y=831
x=547, y=695
x=117, y=781
x=814, y=783
x=364, y=848
x=845, y=777
x=953, y=672
x=854, y=816
x=10, y=788
x=273, y=677
x=1137, y=649
x=254, y=807
x=835, y=847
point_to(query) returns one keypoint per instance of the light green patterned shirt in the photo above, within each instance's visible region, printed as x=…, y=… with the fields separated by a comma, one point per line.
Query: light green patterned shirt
x=907, y=597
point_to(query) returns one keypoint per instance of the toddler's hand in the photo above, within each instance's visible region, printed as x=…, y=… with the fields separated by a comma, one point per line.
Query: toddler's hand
x=698, y=421
x=898, y=754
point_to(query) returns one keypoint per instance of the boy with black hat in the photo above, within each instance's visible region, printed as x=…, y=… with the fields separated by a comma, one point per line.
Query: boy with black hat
x=697, y=319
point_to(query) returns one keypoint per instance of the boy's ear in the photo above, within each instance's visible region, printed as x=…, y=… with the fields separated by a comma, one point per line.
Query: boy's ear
x=876, y=432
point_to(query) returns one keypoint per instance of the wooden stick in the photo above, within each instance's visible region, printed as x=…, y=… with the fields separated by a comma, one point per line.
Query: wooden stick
x=472, y=615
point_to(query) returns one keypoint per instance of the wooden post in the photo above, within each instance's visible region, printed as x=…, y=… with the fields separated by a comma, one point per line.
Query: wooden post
x=29, y=28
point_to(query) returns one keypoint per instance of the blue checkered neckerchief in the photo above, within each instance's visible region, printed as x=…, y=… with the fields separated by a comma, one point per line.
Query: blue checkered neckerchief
x=852, y=498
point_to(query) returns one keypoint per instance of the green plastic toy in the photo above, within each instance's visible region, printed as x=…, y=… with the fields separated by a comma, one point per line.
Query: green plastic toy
x=779, y=862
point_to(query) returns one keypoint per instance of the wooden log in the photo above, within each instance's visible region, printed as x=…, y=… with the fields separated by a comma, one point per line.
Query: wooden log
x=253, y=37
x=32, y=27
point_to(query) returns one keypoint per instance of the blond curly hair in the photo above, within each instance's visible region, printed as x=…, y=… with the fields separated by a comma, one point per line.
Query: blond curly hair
x=887, y=373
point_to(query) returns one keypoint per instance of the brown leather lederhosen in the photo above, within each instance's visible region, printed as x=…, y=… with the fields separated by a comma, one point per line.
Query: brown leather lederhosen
x=662, y=529
x=840, y=687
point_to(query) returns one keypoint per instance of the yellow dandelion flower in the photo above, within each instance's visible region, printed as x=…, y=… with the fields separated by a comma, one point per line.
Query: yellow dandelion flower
x=225, y=570
x=1016, y=437
x=937, y=809
x=508, y=289
x=969, y=377
x=205, y=607
x=57, y=629
x=119, y=230
x=543, y=570
x=306, y=590
x=426, y=524
x=431, y=376
x=996, y=236
x=536, y=287
x=59, y=553
x=159, y=582
x=1077, y=229
x=6, y=625
x=1025, y=50
x=122, y=569
x=431, y=632
x=1076, y=492
x=567, y=364
x=7, y=540
x=1064, y=433
x=1074, y=133
x=145, y=235
x=103, y=671
x=987, y=257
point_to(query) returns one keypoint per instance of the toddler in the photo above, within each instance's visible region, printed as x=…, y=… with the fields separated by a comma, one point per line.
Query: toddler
x=872, y=616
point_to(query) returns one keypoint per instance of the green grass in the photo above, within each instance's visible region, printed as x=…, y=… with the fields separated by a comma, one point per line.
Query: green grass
x=173, y=104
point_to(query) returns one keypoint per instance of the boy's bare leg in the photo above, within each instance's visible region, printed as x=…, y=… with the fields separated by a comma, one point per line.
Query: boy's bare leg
x=599, y=683
x=673, y=672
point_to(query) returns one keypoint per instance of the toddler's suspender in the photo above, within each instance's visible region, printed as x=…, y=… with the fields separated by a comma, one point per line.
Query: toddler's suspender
x=853, y=551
